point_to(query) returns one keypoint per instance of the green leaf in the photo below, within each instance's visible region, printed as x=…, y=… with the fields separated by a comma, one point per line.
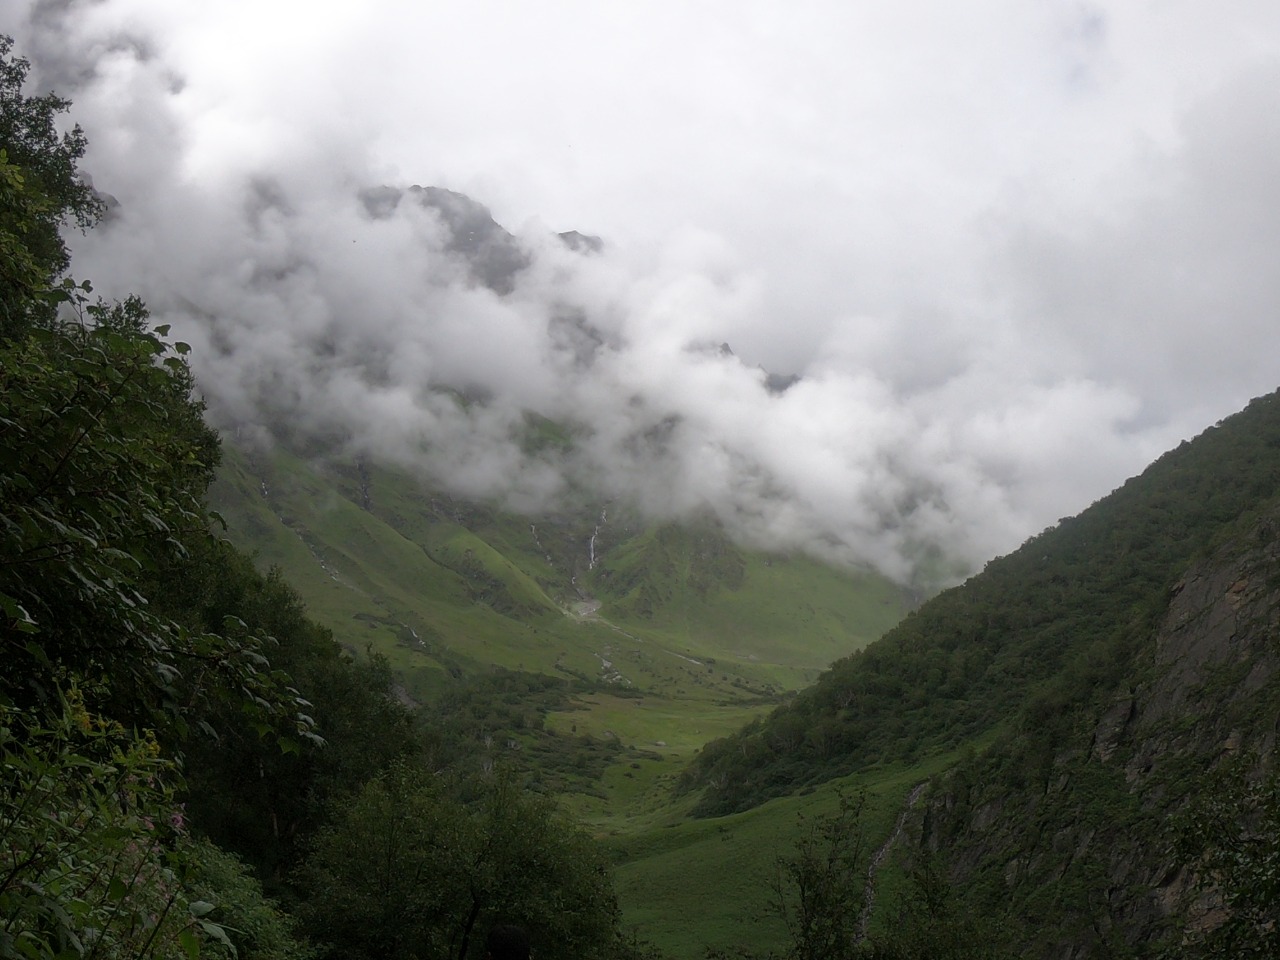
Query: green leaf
x=190, y=944
x=218, y=934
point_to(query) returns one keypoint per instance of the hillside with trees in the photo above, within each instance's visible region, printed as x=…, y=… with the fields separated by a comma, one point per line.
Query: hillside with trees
x=1043, y=630
x=1113, y=688
x=176, y=735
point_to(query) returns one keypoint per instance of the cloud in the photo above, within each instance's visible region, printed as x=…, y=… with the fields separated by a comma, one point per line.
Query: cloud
x=1013, y=253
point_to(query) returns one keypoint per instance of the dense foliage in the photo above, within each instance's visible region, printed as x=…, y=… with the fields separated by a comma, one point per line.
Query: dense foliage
x=1231, y=833
x=407, y=870
x=40, y=192
x=1038, y=632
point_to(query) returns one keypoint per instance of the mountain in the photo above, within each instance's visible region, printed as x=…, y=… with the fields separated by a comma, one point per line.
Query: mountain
x=676, y=615
x=1037, y=737
x=1073, y=817
x=1095, y=681
x=493, y=256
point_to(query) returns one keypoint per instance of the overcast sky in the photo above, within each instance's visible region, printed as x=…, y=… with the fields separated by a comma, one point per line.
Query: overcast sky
x=1015, y=248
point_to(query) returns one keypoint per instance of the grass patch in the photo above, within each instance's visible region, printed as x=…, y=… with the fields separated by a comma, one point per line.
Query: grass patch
x=689, y=884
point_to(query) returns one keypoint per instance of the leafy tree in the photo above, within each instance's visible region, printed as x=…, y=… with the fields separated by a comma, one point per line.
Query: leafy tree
x=1230, y=836
x=818, y=888
x=104, y=460
x=256, y=927
x=92, y=860
x=929, y=924
x=21, y=276
x=40, y=192
x=243, y=791
x=417, y=866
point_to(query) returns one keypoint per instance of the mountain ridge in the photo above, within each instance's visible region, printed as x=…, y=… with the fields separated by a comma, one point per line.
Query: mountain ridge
x=1097, y=681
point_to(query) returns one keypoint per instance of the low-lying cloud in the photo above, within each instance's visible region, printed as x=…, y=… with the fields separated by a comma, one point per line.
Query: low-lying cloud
x=957, y=392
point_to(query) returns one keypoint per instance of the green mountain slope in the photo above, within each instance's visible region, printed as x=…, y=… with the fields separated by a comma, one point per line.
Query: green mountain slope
x=1084, y=825
x=1041, y=629
x=446, y=589
x=1098, y=687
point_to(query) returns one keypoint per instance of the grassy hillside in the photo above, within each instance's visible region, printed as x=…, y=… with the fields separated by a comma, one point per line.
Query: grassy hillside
x=446, y=589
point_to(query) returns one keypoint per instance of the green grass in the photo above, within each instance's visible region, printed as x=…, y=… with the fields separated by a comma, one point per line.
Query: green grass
x=780, y=599
x=438, y=585
x=698, y=635
x=689, y=884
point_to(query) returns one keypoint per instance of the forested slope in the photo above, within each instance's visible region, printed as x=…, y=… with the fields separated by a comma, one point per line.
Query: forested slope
x=1037, y=634
x=1113, y=688
x=1150, y=813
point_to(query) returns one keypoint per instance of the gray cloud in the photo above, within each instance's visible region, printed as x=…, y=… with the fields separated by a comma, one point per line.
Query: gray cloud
x=1013, y=254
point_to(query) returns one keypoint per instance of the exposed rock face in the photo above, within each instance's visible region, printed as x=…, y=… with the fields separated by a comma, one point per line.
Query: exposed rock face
x=1081, y=833
x=493, y=256
x=581, y=242
x=1216, y=656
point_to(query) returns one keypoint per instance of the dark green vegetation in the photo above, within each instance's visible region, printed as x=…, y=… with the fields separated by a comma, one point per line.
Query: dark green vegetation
x=176, y=736
x=1233, y=829
x=1045, y=630
x=39, y=194
x=409, y=871
x=1110, y=664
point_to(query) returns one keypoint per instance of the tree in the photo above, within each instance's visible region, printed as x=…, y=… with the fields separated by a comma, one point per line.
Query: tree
x=93, y=855
x=818, y=888
x=1230, y=836
x=126, y=625
x=418, y=866
x=41, y=191
x=21, y=276
x=243, y=791
x=929, y=924
x=104, y=460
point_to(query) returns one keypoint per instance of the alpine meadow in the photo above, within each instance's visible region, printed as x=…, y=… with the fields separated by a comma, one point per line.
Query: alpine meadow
x=363, y=650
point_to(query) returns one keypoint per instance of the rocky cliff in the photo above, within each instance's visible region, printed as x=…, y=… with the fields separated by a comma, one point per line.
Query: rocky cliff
x=1066, y=826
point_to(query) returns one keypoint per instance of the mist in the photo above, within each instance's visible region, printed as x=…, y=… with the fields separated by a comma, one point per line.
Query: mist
x=996, y=263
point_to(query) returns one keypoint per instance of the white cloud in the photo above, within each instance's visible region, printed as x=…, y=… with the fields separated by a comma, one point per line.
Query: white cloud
x=1016, y=250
